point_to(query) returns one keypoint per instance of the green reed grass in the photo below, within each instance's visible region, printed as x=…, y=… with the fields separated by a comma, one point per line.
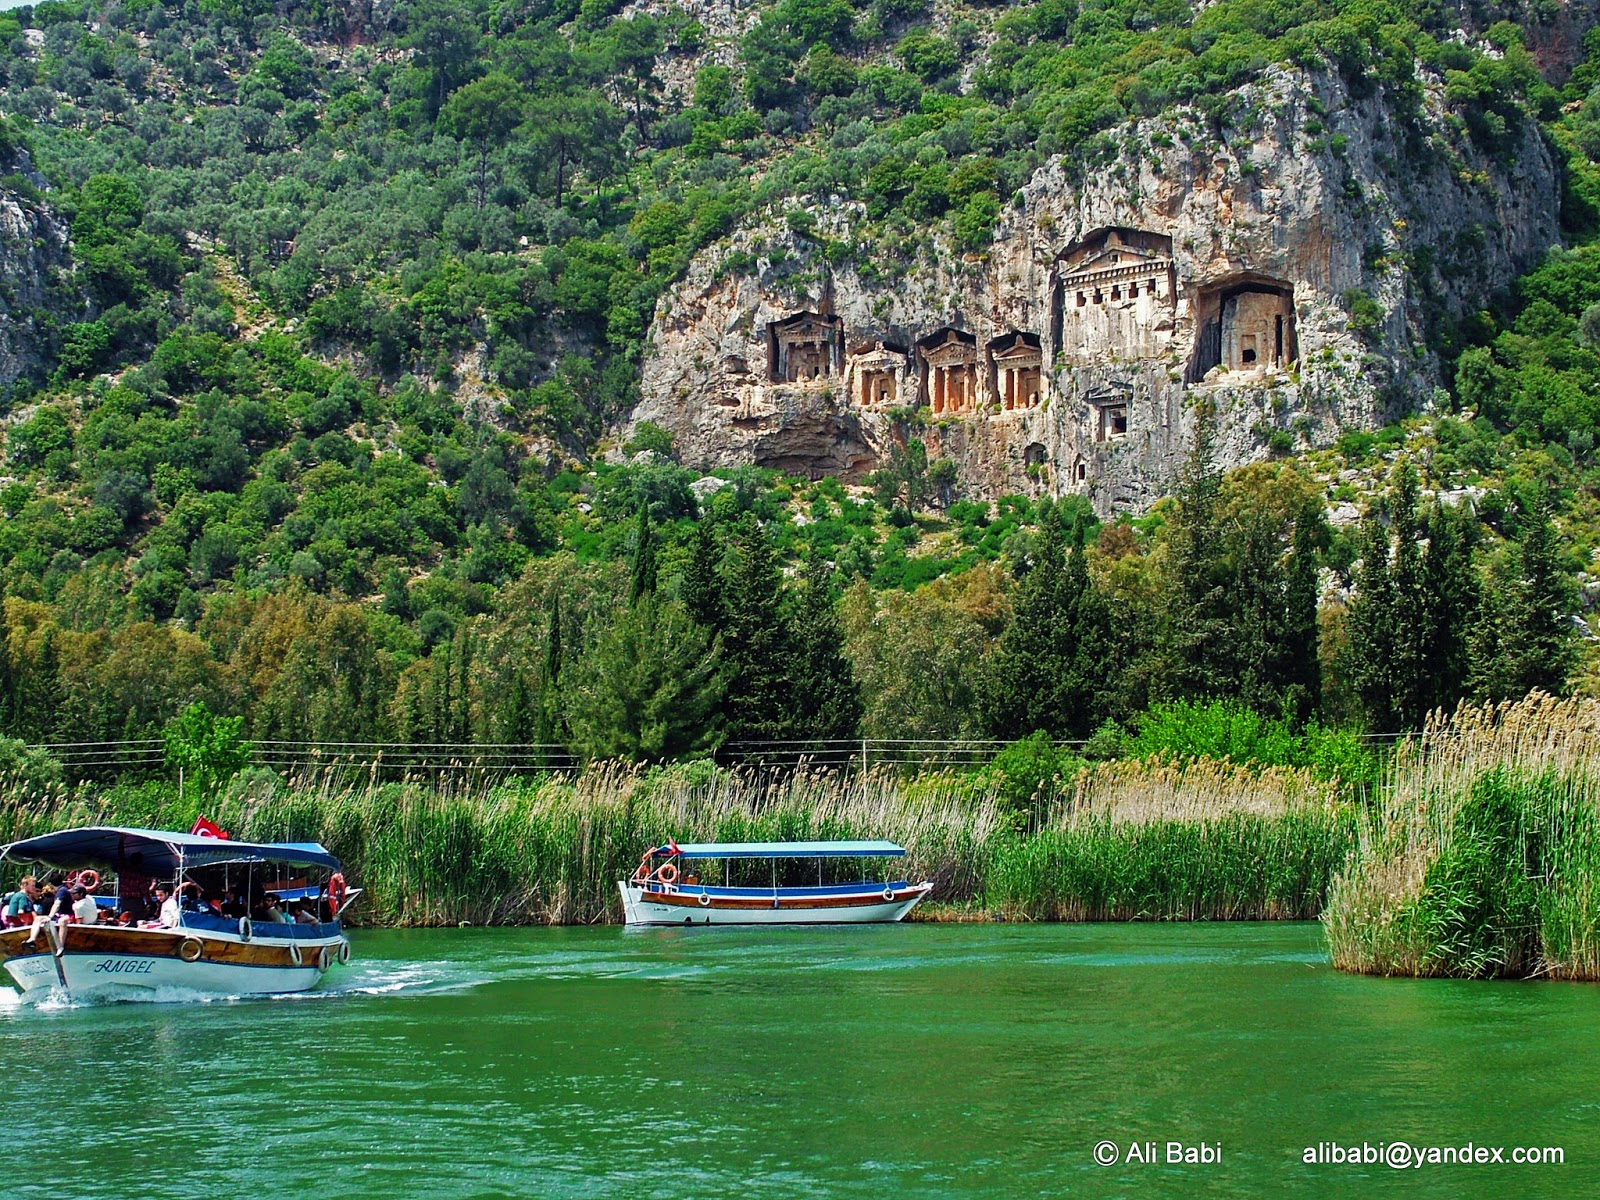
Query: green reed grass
x=1483, y=859
x=1203, y=841
x=1123, y=840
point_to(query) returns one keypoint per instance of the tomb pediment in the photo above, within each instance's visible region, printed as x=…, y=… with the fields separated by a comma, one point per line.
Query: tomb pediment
x=1121, y=259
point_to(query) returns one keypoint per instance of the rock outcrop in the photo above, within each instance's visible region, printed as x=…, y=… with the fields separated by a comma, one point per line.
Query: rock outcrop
x=1284, y=278
x=33, y=250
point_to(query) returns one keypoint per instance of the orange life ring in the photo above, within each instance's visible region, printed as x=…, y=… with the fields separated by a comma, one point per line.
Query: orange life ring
x=337, y=891
x=667, y=873
x=88, y=880
x=643, y=871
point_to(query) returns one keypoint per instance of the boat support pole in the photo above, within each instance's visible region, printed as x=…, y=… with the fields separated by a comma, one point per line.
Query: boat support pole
x=54, y=936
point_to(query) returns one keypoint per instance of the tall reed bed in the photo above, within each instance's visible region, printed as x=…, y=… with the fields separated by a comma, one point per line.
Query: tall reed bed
x=1483, y=857
x=1121, y=841
x=549, y=849
x=1202, y=841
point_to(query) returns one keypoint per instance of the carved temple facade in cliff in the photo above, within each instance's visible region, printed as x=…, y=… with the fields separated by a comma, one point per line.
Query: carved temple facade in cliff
x=805, y=347
x=1244, y=324
x=1016, y=364
x=1113, y=296
x=877, y=370
x=948, y=371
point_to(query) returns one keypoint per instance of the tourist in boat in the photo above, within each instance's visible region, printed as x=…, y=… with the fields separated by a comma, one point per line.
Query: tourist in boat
x=20, y=906
x=170, y=916
x=271, y=913
x=233, y=904
x=193, y=899
x=62, y=905
x=303, y=914
x=84, y=910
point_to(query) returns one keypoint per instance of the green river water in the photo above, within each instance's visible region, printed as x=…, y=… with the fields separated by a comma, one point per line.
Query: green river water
x=880, y=1061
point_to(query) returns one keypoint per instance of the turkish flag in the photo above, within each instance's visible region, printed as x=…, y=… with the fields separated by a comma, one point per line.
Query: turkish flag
x=207, y=828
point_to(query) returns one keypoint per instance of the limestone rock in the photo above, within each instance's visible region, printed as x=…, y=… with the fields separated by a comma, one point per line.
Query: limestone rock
x=1284, y=278
x=33, y=251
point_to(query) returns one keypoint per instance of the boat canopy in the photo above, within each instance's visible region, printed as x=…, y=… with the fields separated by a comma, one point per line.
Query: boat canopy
x=780, y=850
x=160, y=853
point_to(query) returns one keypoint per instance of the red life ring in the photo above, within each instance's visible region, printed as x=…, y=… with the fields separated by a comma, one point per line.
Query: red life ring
x=336, y=894
x=88, y=880
x=643, y=873
x=667, y=873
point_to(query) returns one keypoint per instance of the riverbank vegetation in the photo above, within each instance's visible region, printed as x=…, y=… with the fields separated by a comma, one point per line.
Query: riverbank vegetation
x=1472, y=852
x=1159, y=840
x=1483, y=856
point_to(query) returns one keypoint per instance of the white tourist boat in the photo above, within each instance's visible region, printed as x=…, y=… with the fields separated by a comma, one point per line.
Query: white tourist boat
x=205, y=952
x=661, y=892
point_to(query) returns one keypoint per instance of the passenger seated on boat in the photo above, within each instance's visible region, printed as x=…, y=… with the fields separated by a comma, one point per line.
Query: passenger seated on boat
x=84, y=910
x=233, y=904
x=60, y=907
x=20, y=905
x=303, y=914
x=192, y=899
x=271, y=913
x=170, y=915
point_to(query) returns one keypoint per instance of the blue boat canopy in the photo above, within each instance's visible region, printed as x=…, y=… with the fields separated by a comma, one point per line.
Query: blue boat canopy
x=780, y=850
x=160, y=853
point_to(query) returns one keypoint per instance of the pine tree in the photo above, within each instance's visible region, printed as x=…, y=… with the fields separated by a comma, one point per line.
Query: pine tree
x=1408, y=618
x=1369, y=650
x=827, y=698
x=39, y=706
x=648, y=688
x=8, y=678
x=1410, y=610
x=1452, y=589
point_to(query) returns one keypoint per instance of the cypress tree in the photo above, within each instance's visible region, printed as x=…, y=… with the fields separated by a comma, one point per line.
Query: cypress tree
x=701, y=586
x=644, y=558
x=757, y=643
x=547, y=730
x=1196, y=652
x=1525, y=635
x=825, y=687
x=1301, y=668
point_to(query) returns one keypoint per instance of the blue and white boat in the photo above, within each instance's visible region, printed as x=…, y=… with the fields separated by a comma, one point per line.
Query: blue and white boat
x=205, y=952
x=661, y=892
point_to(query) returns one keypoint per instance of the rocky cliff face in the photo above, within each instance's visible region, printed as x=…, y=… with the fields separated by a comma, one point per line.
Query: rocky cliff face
x=33, y=249
x=1283, y=280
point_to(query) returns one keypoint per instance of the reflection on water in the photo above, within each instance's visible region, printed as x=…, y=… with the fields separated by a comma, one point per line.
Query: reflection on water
x=922, y=1061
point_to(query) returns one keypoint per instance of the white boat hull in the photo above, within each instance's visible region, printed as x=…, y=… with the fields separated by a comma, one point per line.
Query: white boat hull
x=89, y=973
x=86, y=959
x=641, y=907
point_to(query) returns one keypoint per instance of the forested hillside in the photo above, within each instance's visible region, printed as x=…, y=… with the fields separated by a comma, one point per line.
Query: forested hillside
x=313, y=420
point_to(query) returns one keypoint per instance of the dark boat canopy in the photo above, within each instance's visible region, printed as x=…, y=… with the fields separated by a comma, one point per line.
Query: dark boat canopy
x=160, y=853
x=780, y=850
